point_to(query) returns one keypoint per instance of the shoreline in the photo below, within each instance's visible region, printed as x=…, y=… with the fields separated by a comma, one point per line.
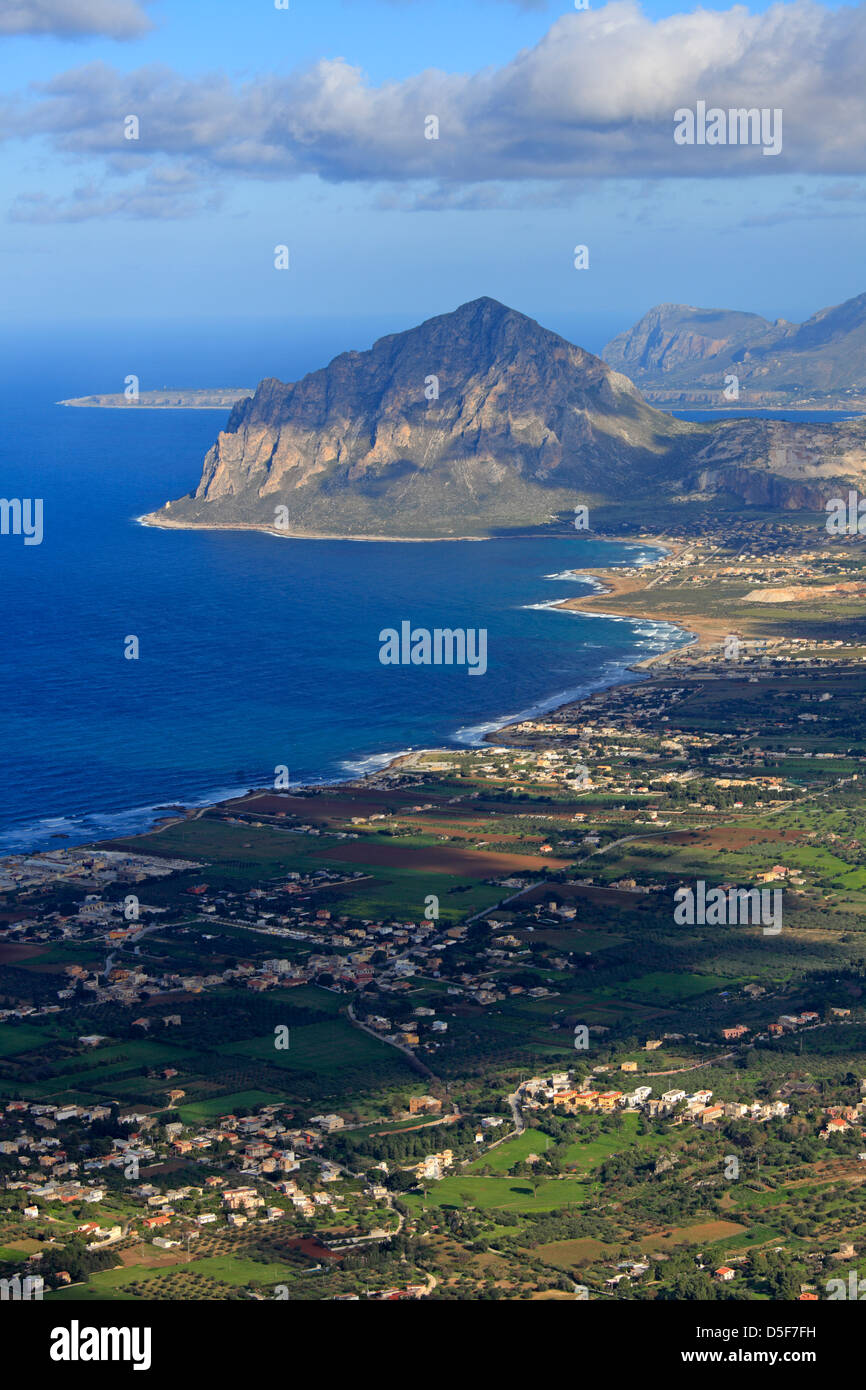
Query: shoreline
x=707, y=404
x=148, y=520
x=666, y=545
x=702, y=630
x=609, y=584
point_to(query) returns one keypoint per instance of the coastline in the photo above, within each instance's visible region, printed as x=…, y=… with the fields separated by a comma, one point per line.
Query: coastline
x=706, y=401
x=608, y=584
x=703, y=630
x=611, y=584
x=149, y=519
x=703, y=633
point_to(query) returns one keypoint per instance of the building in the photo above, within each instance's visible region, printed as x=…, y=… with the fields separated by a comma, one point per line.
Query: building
x=424, y=1105
x=738, y=1031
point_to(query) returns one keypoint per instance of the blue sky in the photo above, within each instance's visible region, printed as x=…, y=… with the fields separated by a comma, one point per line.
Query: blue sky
x=304, y=127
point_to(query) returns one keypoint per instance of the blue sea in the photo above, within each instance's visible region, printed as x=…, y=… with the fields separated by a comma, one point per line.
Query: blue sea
x=254, y=651
x=795, y=417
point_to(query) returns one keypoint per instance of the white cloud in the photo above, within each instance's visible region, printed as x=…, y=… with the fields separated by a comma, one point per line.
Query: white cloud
x=594, y=98
x=115, y=19
x=162, y=194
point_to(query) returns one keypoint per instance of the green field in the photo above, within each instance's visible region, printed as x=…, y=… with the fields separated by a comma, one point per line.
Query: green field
x=199, y=1112
x=320, y=1047
x=395, y=892
x=233, y=1270
x=506, y=1194
x=21, y=1037
x=512, y=1151
x=665, y=987
x=587, y=1153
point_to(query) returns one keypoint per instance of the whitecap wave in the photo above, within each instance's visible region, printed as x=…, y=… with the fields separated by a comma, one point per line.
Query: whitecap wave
x=374, y=762
x=52, y=832
x=473, y=735
x=572, y=577
x=32, y=836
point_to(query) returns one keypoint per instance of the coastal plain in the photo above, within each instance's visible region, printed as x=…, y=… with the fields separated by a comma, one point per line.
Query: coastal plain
x=435, y=1032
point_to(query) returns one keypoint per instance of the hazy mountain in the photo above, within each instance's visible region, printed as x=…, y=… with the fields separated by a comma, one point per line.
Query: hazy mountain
x=677, y=352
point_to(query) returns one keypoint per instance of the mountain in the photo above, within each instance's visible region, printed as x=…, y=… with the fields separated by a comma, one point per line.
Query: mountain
x=674, y=337
x=525, y=425
x=481, y=421
x=680, y=355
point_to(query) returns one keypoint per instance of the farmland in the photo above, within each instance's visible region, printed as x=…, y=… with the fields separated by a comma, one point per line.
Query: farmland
x=442, y=1029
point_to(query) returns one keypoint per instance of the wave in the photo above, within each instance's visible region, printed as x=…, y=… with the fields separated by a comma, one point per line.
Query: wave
x=611, y=673
x=570, y=577
x=656, y=636
x=30, y=837
x=374, y=762
x=82, y=827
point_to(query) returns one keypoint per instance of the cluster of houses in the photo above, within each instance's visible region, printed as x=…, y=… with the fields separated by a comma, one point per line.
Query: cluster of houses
x=560, y=1092
x=787, y=1023
x=434, y=1165
x=843, y=1119
x=401, y=950
x=257, y=1145
x=260, y=1149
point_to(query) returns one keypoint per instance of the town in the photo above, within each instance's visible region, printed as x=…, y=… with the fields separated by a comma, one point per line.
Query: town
x=439, y=1032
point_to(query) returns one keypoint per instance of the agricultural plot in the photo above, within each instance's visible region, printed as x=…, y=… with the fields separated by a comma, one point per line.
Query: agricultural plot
x=326, y=1048
x=504, y=1194
x=667, y=987
x=204, y=1111
x=511, y=1151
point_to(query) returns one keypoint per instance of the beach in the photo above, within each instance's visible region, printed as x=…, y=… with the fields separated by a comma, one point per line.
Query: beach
x=613, y=599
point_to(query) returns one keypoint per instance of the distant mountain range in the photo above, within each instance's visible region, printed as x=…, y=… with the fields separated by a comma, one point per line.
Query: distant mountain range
x=678, y=355
x=477, y=422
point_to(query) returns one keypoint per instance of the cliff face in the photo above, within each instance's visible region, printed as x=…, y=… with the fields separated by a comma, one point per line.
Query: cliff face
x=475, y=420
x=673, y=337
x=678, y=348
x=481, y=421
x=773, y=463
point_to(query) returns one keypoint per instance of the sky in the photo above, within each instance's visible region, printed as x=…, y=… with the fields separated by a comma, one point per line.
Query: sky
x=307, y=127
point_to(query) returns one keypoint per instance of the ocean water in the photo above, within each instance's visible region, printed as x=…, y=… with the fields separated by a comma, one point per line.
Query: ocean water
x=255, y=651
x=795, y=417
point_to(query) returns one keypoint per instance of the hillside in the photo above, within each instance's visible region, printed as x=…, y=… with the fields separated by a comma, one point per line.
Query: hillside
x=477, y=422
x=680, y=355
x=525, y=425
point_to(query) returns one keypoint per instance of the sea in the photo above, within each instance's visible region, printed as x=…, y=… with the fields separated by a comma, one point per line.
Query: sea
x=255, y=653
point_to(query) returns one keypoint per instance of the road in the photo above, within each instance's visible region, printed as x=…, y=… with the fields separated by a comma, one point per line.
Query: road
x=414, y=1061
